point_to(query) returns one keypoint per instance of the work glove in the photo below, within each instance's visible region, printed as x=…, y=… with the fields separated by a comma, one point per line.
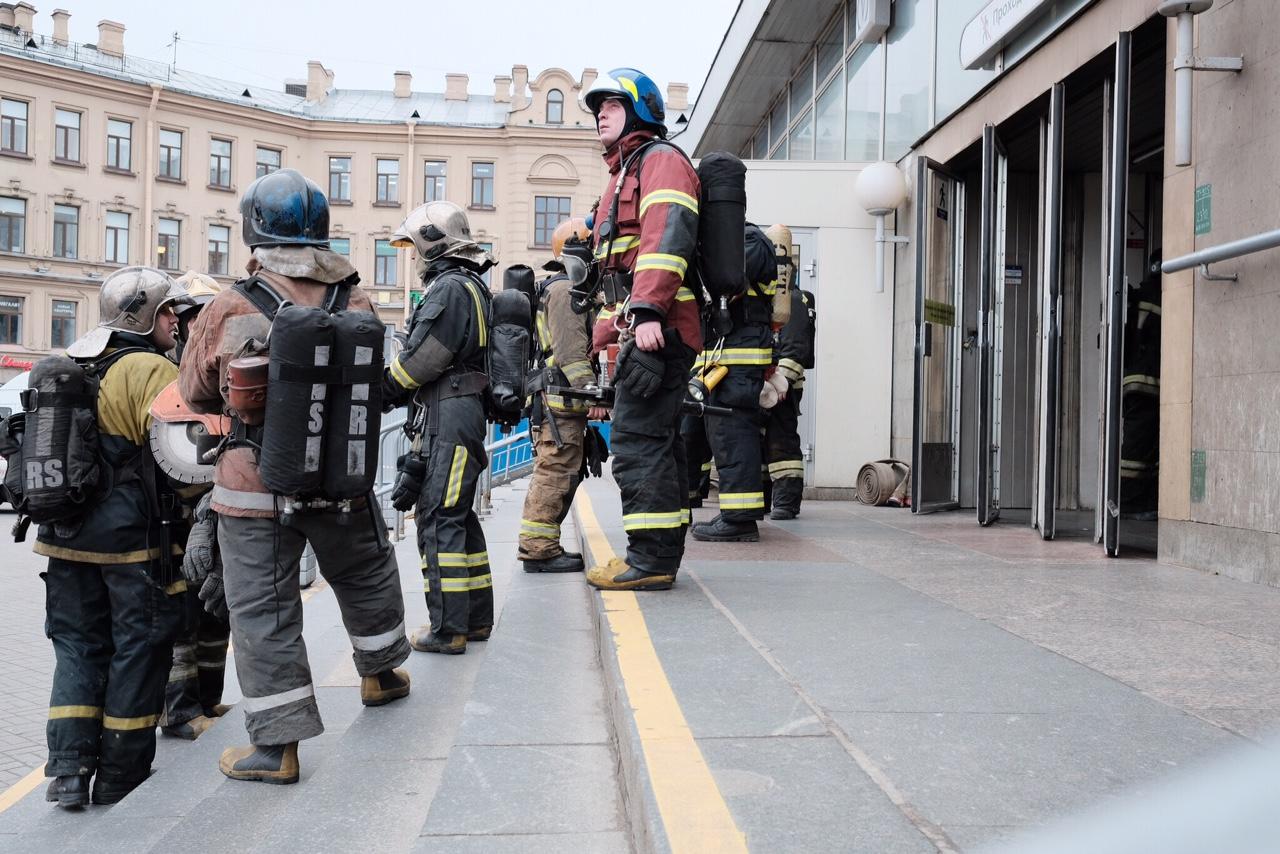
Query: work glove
x=202, y=544
x=394, y=395
x=640, y=372
x=214, y=596
x=412, y=468
x=595, y=453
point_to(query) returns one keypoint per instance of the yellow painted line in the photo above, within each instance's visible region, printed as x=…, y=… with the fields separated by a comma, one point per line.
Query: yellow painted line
x=693, y=810
x=22, y=788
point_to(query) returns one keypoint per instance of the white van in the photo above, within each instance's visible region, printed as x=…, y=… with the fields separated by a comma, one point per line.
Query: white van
x=11, y=402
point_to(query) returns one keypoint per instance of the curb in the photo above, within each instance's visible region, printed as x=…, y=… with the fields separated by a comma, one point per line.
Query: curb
x=639, y=804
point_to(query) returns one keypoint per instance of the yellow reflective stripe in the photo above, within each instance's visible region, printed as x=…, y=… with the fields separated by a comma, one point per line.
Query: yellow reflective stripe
x=685, y=295
x=652, y=521
x=742, y=501
x=179, y=586
x=544, y=334
x=459, y=465
x=1142, y=379
x=668, y=197
x=787, y=465
x=791, y=368
x=539, y=530
x=579, y=370
x=462, y=585
x=567, y=404
x=57, y=713
x=769, y=289
x=144, y=722
x=686, y=516
x=479, y=301
x=706, y=466
x=458, y=559
x=400, y=375
x=662, y=261
x=605, y=314
x=1152, y=307
x=620, y=245
x=746, y=356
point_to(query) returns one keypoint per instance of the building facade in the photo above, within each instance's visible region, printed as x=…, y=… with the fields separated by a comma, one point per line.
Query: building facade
x=1028, y=354
x=108, y=160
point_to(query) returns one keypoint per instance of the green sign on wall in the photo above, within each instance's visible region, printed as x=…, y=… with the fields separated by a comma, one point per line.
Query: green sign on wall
x=1199, y=465
x=1204, y=209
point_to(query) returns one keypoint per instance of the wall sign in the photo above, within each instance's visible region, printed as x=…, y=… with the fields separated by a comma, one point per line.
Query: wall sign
x=870, y=20
x=20, y=364
x=1204, y=209
x=1199, y=470
x=994, y=26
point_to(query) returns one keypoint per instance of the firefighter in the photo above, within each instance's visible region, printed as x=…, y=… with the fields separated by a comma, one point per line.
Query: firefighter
x=564, y=339
x=114, y=597
x=646, y=230
x=441, y=372
x=193, y=696
x=794, y=354
x=734, y=440
x=1140, y=399
x=261, y=536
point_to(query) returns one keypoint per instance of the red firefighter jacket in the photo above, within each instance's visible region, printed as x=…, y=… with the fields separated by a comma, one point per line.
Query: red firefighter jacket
x=657, y=232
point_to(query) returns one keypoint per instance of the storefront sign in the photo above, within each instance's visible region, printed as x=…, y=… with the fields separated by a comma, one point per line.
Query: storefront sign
x=1204, y=209
x=1199, y=470
x=870, y=20
x=940, y=313
x=11, y=305
x=993, y=27
x=20, y=364
x=1012, y=274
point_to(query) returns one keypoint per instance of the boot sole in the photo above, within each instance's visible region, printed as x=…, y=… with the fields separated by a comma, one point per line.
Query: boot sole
x=386, y=698
x=187, y=735
x=783, y=517
x=553, y=571
x=439, y=650
x=637, y=585
x=253, y=778
x=742, y=538
x=69, y=801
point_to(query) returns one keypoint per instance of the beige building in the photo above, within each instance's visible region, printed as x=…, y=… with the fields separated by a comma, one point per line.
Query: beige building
x=108, y=160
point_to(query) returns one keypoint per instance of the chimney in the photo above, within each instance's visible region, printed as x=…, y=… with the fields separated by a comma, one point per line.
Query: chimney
x=6, y=14
x=24, y=17
x=404, y=84
x=60, y=32
x=111, y=38
x=589, y=76
x=520, y=84
x=677, y=97
x=455, y=87
x=502, y=89
x=319, y=81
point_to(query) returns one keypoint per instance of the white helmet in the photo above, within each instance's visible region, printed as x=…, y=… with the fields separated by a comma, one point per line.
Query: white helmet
x=129, y=301
x=439, y=230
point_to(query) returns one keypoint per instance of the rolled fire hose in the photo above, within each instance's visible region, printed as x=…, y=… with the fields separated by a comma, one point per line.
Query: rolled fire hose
x=882, y=481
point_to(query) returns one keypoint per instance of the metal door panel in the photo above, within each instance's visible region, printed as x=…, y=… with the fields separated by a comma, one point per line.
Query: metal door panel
x=995, y=172
x=1051, y=317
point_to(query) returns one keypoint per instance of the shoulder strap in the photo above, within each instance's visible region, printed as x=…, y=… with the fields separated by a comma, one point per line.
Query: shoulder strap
x=98, y=367
x=259, y=292
x=637, y=157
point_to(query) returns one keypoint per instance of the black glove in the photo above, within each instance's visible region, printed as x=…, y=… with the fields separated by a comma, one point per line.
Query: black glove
x=214, y=597
x=412, y=472
x=595, y=452
x=639, y=372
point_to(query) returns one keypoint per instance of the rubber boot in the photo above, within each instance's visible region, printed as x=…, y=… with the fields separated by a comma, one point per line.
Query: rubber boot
x=112, y=790
x=565, y=562
x=69, y=792
x=617, y=575
x=189, y=730
x=382, y=688
x=265, y=763
x=425, y=640
x=721, y=530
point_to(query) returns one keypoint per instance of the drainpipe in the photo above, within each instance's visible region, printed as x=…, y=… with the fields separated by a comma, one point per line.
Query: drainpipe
x=410, y=183
x=149, y=178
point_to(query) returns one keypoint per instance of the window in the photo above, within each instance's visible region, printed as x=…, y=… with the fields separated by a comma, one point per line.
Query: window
x=831, y=50
x=63, y=328
x=388, y=182
x=486, y=276
x=267, y=160
x=778, y=124
x=555, y=107
x=171, y=154
x=13, y=221
x=66, y=135
x=482, y=185
x=802, y=89
x=865, y=93
x=954, y=83
x=548, y=212
x=801, y=145
x=13, y=126
x=66, y=231
x=119, y=142
x=219, y=249
x=829, y=124
x=384, y=264
x=435, y=174
x=117, y=242
x=220, y=163
x=341, y=245
x=11, y=320
x=167, y=250
x=339, y=179
x=760, y=147
x=908, y=76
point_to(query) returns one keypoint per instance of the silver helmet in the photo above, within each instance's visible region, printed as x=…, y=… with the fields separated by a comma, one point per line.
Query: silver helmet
x=439, y=230
x=129, y=301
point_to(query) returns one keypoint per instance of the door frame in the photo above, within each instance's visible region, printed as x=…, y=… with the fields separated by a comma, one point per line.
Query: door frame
x=1044, y=513
x=991, y=264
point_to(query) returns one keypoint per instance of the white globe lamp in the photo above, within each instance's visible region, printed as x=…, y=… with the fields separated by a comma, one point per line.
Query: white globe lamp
x=880, y=189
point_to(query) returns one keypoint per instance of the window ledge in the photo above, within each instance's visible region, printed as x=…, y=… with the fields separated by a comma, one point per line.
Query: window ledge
x=386, y=204
x=221, y=188
x=481, y=207
x=74, y=164
x=344, y=203
x=167, y=180
x=16, y=155
x=116, y=170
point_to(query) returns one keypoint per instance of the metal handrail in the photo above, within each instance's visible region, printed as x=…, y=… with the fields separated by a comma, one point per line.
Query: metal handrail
x=1236, y=248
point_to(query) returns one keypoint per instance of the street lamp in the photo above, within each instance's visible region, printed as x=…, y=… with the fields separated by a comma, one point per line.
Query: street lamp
x=880, y=189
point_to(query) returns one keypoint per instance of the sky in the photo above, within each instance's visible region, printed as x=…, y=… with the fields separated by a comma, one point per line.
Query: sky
x=264, y=42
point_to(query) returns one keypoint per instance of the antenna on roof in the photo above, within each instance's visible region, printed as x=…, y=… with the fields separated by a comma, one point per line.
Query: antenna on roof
x=174, y=44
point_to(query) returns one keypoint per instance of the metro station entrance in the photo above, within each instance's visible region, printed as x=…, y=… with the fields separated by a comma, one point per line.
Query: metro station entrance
x=1037, y=309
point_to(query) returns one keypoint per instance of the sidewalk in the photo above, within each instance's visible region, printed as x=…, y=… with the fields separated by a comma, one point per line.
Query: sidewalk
x=867, y=680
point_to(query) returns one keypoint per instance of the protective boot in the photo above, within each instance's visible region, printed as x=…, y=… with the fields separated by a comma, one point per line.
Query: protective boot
x=217, y=711
x=382, y=688
x=787, y=493
x=189, y=730
x=564, y=562
x=265, y=763
x=618, y=575
x=69, y=791
x=425, y=640
x=112, y=790
x=480, y=634
x=721, y=530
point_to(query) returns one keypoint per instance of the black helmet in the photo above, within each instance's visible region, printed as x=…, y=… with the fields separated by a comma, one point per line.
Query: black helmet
x=284, y=208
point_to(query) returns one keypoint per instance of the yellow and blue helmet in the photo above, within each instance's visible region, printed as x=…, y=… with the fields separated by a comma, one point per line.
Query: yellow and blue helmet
x=635, y=89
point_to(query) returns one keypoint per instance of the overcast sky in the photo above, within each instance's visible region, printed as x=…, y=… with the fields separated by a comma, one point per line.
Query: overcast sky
x=261, y=42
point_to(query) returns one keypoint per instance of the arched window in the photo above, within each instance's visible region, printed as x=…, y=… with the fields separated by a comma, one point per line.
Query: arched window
x=555, y=107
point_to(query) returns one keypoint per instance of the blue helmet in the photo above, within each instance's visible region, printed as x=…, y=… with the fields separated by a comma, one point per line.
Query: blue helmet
x=284, y=208
x=636, y=89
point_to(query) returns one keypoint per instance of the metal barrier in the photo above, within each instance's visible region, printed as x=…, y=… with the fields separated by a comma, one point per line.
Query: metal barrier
x=509, y=458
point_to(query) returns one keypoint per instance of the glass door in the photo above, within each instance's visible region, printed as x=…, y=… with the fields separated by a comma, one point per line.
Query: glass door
x=1046, y=506
x=995, y=193
x=935, y=469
